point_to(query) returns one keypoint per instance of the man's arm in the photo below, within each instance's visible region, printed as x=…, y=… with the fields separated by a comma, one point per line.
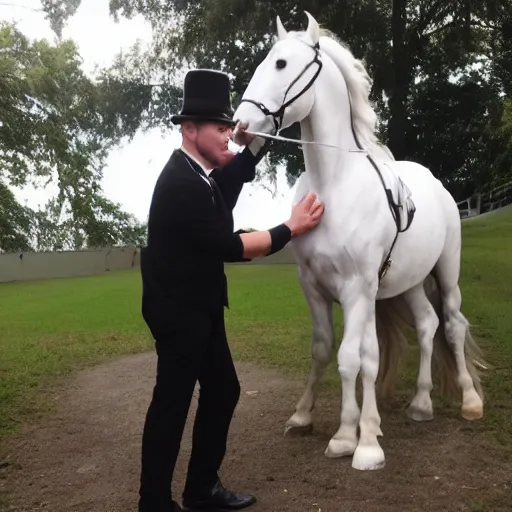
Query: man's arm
x=192, y=212
x=239, y=170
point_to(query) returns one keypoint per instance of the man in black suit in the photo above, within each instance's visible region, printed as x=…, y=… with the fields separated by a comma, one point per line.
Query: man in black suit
x=190, y=236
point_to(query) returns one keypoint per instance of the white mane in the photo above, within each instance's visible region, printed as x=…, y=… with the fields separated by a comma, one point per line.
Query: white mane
x=359, y=85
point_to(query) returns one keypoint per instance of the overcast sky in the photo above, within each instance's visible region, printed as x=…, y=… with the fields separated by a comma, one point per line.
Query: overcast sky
x=132, y=170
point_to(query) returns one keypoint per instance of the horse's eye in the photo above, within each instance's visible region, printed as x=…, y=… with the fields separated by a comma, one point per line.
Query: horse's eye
x=280, y=64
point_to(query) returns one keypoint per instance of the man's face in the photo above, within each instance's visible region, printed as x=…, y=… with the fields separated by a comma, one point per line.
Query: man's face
x=211, y=141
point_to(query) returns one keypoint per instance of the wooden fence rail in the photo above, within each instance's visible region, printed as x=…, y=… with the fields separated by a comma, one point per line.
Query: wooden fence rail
x=487, y=201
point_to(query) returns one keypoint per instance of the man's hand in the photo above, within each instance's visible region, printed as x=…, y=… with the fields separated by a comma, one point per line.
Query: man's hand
x=305, y=215
x=240, y=136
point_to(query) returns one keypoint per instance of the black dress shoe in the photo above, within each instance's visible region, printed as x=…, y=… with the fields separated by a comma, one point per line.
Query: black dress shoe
x=219, y=500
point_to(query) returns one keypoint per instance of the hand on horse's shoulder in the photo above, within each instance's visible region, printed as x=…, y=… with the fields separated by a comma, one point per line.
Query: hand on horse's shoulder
x=306, y=214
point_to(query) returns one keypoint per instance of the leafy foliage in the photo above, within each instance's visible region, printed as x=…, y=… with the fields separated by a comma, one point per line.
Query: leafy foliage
x=15, y=222
x=507, y=117
x=58, y=11
x=59, y=125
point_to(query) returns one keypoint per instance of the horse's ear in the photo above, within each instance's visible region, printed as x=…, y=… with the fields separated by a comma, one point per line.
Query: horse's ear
x=281, y=31
x=313, y=29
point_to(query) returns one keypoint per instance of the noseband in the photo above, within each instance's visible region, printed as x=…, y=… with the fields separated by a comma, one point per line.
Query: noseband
x=278, y=115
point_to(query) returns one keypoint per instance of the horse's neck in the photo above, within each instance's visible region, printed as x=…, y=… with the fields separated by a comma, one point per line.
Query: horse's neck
x=328, y=122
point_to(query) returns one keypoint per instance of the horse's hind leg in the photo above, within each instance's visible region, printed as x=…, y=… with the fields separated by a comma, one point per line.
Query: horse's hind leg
x=321, y=351
x=426, y=322
x=457, y=335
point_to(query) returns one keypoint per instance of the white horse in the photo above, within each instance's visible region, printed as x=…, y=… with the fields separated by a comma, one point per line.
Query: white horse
x=388, y=246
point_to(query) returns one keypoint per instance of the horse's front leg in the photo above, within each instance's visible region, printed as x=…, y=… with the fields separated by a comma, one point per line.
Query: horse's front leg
x=369, y=454
x=321, y=351
x=357, y=306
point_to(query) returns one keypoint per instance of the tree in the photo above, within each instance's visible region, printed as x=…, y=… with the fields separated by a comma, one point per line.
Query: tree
x=16, y=223
x=507, y=118
x=57, y=124
x=430, y=61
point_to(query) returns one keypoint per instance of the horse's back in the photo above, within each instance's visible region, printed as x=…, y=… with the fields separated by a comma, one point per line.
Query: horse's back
x=436, y=219
x=421, y=180
x=427, y=191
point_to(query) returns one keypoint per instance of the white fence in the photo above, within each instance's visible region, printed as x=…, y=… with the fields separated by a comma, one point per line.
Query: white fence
x=486, y=202
x=28, y=266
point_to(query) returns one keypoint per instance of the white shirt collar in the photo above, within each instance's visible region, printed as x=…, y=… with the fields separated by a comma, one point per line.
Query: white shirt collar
x=207, y=171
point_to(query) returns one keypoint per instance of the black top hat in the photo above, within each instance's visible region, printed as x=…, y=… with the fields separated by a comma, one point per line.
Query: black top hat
x=206, y=97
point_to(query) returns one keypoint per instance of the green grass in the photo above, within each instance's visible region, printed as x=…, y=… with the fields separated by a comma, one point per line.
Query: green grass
x=49, y=328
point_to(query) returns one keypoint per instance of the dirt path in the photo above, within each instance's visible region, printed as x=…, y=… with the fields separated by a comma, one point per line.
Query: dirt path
x=85, y=458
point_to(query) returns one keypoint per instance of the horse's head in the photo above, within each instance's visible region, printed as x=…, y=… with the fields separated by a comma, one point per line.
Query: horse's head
x=281, y=91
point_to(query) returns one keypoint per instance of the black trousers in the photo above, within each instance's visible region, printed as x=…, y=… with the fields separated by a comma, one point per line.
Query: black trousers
x=194, y=349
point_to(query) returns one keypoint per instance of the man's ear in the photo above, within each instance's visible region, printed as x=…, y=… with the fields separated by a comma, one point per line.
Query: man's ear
x=188, y=128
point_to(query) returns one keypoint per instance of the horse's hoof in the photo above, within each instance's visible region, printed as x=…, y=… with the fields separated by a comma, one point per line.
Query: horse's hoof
x=340, y=448
x=472, y=406
x=472, y=413
x=298, y=430
x=420, y=408
x=298, y=425
x=417, y=414
x=368, y=458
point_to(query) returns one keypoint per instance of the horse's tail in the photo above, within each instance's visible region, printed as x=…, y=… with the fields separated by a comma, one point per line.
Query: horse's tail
x=444, y=357
x=390, y=315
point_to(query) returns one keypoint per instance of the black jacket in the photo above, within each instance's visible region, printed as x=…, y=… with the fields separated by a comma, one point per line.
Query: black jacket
x=190, y=236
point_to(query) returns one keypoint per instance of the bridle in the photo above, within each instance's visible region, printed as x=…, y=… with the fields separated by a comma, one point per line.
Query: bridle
x=278, y=115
